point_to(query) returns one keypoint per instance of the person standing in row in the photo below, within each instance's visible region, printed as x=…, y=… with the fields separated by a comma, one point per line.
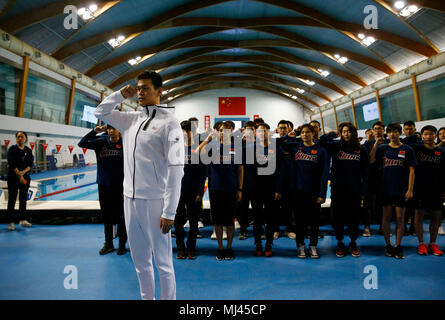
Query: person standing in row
x=429, y=188
x=110, y=176
x=349, y=175
x=192, y=188
x=397, y=162
x=311, y=173
x=153, y=169
x=226, y=173
x=20, y=162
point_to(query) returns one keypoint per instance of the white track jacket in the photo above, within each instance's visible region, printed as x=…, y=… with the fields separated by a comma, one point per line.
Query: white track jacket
x=153, y=151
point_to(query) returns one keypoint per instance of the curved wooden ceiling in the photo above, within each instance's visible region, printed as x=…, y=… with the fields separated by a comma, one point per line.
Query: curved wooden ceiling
x=281, y=64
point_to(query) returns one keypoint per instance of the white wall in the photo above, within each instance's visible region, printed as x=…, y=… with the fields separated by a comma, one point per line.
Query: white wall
x=272, y=108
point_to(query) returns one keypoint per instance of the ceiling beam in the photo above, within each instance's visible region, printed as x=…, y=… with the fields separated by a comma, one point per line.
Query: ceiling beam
x=129, y=30
x=348, y=28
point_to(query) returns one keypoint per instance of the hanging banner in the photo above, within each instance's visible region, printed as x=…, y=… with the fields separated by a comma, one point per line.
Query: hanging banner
x=84, y=150
x=58, y=146
x=32, y=144
x=6, y=143
x=44, y=145
x=206, y=122
x=70, y=148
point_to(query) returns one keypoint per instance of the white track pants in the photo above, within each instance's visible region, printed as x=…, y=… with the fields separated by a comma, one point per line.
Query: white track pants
x=142, y=219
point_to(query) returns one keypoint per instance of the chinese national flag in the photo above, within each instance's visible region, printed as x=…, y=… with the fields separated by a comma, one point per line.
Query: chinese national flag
x=229, y=106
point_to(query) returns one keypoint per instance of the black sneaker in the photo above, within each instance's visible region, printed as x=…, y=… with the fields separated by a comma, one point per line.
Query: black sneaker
x=121, y=250
x=398, y=253
x=229, y=254
x=389, y=250
x=106, y=249
x=220, y=254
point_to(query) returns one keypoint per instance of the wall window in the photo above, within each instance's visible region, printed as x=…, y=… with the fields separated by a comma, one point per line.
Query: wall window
x=367, y=114
x=329, y=122
x=9, y=89
x=345, y=115
x=432, y=98
x=83, y=109
x=45, y=100
x=398, y=106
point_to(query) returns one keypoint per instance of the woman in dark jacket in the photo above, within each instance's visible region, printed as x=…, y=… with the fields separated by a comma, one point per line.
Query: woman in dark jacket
x=20, y=160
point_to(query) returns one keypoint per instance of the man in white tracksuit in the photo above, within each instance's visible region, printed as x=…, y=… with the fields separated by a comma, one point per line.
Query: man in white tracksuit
x=153, y=169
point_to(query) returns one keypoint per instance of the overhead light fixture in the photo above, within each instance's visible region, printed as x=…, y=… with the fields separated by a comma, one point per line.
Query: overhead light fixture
x=341, y=59
x=301, y=91
x=366, y=41
x=399, y=5
x=134, y=61
x=170, y=98
x=114, y=42
x=309, y=82
x=87, y=13
x=324, y=73
x=405, y=10
x=294, y=97
x=164, y=92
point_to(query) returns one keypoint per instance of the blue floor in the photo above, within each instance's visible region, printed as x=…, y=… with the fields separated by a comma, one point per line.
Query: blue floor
x=32, y=263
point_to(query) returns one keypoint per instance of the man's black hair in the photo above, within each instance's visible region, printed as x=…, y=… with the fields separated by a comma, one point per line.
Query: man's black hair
x=155, y=77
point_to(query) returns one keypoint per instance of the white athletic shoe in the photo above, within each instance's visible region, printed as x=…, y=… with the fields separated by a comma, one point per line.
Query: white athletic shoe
x=301, y=252
x=187, y=224
x=314, y=253
x=11, y=226
x=441, y=231
x=200, y=224
x=25, y=223
x=237, y=225
x=213, y=236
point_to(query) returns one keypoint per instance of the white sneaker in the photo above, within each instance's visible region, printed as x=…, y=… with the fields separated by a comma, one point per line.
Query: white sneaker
x=187, y=224
x=301, y=252
x=200, y=224
x=25, y=223
x=441, y=231
x=314, y=253
x=213, y=236
x=237, y=225
x=11, y=226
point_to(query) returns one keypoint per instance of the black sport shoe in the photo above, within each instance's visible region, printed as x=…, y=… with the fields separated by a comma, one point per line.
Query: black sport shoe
x=106, y=249
x=121, y=250
x=389, y=250
x=398, y=253
x=220, y=254
x=229, y=254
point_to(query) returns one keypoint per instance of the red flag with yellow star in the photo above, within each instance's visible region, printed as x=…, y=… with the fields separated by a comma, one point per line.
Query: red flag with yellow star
x=230, y=106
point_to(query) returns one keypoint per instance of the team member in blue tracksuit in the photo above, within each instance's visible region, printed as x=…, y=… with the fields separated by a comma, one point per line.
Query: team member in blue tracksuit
x=311, y=172
x=225, y=172
x=192, y=188
x=248, y=142
x=20, y=162
x=429, y=188
x=372, y=207
x=397, y=161
x=110, y=177
x=265, y=189
x=349, y=174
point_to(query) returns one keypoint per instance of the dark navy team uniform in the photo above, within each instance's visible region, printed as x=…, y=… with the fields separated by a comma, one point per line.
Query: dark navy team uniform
x=265, y=186
x=310, y=175
x=110, y=177
x=20, y=159
x=192, y=185
x=429, y=184
x=394, y=164
x=223, y=182
x=349, y=174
